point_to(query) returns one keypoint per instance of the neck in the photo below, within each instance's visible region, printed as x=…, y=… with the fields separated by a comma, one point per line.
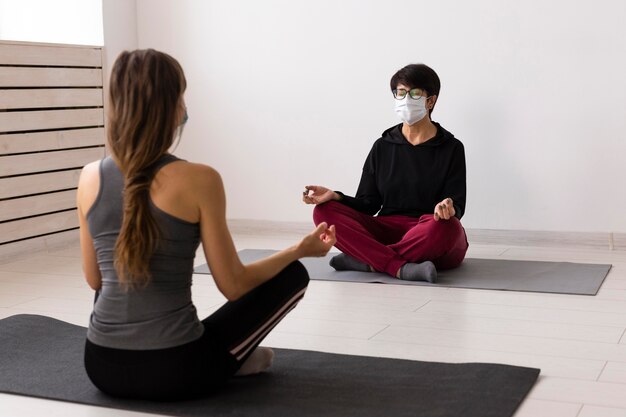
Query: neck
x=419, y=132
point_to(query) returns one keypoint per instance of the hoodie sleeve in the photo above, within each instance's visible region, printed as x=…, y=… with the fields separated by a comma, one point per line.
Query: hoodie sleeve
x=368, y=199
x=455, y=184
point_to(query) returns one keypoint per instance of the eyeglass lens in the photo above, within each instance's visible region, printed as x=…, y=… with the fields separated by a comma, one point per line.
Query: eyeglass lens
x=400, y=93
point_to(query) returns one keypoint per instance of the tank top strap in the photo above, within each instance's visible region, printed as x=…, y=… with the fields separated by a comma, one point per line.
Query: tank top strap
x=164, y=160
x=112, y=180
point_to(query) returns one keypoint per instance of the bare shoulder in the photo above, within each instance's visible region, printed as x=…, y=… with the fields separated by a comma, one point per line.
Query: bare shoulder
x=88, y=185
x=193, y=180
x=89, y=178
x=90, y=171
x=197, y=175
x=205, y=172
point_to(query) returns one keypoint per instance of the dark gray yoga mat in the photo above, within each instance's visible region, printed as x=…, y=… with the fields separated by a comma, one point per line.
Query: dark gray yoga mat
x=487, y=274
x=43, y=357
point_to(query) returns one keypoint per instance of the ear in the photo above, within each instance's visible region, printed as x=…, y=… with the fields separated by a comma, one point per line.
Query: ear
x=430, y=103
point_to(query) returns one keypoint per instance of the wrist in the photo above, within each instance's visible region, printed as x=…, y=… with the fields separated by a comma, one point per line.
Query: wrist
x=296, y=251
x=336, y=196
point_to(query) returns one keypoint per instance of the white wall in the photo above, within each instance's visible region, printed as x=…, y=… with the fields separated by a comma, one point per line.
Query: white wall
x=120, y=32
x=287, y=93
x=77, y=22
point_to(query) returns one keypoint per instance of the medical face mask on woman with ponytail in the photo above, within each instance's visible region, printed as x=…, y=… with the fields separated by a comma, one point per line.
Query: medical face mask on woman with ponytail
x=179, y=130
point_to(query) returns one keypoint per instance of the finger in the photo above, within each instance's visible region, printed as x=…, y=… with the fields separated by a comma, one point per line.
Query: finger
x=450, y=207
x=330, y=235
x=321, y=228
x=444, y=212
x=437, y=213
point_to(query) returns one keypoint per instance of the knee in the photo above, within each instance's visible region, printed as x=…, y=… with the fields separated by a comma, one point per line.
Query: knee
x=452, y=225
x=325, y=212
x=297, y=275
x=446, y=231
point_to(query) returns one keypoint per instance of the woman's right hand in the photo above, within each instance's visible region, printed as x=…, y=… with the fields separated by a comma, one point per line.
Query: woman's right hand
x=318, y=242
x=316, y=194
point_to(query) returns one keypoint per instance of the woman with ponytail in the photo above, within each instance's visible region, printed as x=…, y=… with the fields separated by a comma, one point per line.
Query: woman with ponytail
x=143, y=213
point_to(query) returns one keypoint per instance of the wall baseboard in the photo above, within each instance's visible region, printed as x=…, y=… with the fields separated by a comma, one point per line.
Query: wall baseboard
x=248, y=227
x=582, y=240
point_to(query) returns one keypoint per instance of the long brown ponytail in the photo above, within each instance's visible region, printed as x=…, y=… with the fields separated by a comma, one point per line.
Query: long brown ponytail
x=145, y=95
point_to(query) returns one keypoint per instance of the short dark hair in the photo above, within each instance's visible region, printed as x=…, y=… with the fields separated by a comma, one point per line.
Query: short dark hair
x=417, y=76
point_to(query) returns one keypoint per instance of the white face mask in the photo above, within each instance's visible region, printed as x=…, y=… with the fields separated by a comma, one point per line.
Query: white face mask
x=411, y=110
x=179, y=130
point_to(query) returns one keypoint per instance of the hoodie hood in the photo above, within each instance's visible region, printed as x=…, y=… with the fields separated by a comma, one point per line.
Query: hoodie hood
x=394, y=135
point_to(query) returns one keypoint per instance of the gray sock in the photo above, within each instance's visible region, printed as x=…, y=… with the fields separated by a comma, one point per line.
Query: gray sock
x=424, y=271
x=343, y=262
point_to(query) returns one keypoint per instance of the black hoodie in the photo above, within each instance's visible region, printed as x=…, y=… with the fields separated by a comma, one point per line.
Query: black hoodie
x=408, y=179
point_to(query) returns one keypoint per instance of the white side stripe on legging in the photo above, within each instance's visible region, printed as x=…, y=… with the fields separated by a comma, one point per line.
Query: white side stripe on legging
x=241, y=349
x=265, y=332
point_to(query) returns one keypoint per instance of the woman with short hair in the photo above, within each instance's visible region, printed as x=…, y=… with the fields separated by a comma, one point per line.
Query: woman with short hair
x=414, y=180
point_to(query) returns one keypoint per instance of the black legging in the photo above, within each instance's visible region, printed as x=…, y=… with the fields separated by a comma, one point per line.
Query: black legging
x=198, y=368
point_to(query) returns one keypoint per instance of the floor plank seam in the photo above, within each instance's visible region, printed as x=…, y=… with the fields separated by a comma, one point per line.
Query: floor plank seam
x=602, y=371
x=422, y=306
x=379, y=332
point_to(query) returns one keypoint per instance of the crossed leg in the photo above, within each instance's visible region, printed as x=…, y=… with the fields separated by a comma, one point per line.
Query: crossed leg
x=387, y=243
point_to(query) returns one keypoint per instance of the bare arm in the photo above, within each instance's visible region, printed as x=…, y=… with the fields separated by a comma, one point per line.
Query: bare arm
x=88, y=186
x=233, y=278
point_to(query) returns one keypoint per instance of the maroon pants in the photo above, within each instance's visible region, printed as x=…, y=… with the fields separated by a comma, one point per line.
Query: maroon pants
x=388, y=242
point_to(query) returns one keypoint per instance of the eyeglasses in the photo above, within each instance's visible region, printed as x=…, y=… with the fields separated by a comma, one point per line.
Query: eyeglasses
x=400, y=93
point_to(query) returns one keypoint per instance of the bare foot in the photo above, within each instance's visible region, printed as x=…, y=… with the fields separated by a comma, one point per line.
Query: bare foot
x=260, y=360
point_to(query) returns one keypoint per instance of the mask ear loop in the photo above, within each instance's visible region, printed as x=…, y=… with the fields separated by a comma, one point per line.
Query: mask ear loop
x=179, y=131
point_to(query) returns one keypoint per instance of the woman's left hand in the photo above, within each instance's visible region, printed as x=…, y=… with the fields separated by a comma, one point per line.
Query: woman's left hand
x=318, y=242
x=445, y=209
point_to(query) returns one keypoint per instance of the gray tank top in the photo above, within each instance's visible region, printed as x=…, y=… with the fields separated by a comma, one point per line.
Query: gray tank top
x=161, y=315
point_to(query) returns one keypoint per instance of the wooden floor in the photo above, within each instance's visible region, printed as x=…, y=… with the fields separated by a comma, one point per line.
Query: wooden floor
x=577, y=341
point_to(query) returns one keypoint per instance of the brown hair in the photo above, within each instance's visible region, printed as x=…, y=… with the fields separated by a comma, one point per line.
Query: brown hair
x=145, y=96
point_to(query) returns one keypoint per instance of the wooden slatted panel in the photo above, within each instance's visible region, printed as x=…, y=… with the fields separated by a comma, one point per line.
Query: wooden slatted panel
x=48, y=98
x=50, y=77
x=49, y=161
x=58, y=139
x=16, y=121
x=51, y=124
x=39, y=183
x=22, y=248
x=40, y=204
x=35, y=226
x=50, y=55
